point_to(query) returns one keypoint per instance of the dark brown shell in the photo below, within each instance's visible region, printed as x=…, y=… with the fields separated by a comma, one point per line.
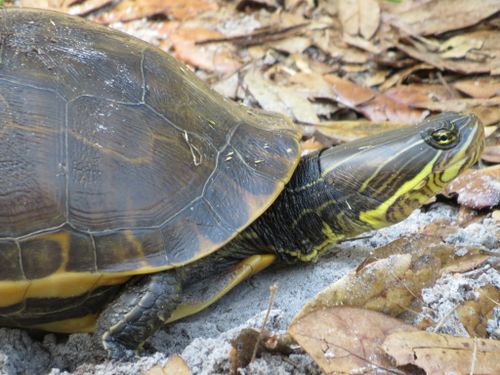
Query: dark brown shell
x=116, y=158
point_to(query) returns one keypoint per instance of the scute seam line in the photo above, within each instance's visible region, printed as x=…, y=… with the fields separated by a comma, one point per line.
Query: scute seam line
x=15, y=82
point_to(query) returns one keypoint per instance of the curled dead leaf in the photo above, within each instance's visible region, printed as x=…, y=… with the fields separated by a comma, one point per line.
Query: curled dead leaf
x=280, y=99
x=439, y=16
x=482, y=60
x=474, y=314
x=391, y=279
x=387, y=285
x=484, y=88
x=219, y=58
x=346, y=339
x=416, y=94
x=477, y=189
x=347, y=131
x=252, y=339
x=175, y=365
x=359, y=17
x=128, y=10
x=375, y=106
x=491, y=154
x=444, y=354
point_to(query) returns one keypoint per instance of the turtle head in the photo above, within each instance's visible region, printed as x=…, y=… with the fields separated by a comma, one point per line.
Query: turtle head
x=380, y=180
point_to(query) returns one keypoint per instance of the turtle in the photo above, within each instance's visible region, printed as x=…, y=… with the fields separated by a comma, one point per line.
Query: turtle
x=125, y=179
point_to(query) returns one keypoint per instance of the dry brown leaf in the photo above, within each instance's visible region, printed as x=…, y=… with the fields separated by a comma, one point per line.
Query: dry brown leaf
x=347, y=131
x=246, y=5
x=212, y=58
x=461, y=46
x=444, y=354
x=487, y=115
x=245, y=343
x=348, y=93
x=175, y=366
x=86, y=7
x=312, y=85
x=474, y=314
x=393, y=276
x=375, y=78
x=428, y=246
x=43, y=4
x=479, y=60
x=346, y=339
x=332, y=43
x=479, y=87
x=467, y=216
x=417, y=94
x=349, y=16
x=491, y=154
x=292, y=45
x=439, y=16
x=243, y=346
x=311, y=145
x=369, y=17
x=361, y=43
x=128, y=10
x=401, y=75
x=359, y=17
x=280, y=99
x=228, y=86
x=252, y=339
x=477, y=189
x=458, y=105
x=387, y=285
x=375, y=106
x=490, y=130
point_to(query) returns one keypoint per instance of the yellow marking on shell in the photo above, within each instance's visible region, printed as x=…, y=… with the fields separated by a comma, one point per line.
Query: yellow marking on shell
x=63, y=239
x=57, y=285
x=84, y=324
x=12, y=292
x=246, y=268
x=377, y=218
x=71, y=284
x=41, y=130
x=256, y=204
x=137, y=245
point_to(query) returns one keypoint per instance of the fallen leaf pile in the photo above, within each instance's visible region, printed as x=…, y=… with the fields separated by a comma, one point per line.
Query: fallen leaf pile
x=344, y=69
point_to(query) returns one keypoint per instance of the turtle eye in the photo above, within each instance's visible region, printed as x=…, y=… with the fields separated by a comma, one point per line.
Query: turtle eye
x=442, y=138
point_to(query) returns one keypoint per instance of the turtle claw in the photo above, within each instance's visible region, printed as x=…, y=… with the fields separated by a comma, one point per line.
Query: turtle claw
x=118, y=351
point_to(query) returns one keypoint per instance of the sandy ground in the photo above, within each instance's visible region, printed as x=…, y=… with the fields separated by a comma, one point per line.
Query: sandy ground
x=203, y=340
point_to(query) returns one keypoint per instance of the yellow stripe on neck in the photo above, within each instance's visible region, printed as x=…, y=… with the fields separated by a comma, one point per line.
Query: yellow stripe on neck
x=377, y=218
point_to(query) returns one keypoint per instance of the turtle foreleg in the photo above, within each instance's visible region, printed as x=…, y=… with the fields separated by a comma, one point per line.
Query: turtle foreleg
x=138, y=312
x=156, y=299
x=197, y=297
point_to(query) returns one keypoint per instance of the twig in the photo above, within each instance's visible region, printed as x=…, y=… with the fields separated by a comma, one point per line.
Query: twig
x=260, y=36
x=444, y=318
x=474, y=358
x=272, y=291
x=453, y=93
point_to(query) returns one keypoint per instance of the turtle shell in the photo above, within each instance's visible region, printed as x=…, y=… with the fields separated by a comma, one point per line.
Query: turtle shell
x=115, y=158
